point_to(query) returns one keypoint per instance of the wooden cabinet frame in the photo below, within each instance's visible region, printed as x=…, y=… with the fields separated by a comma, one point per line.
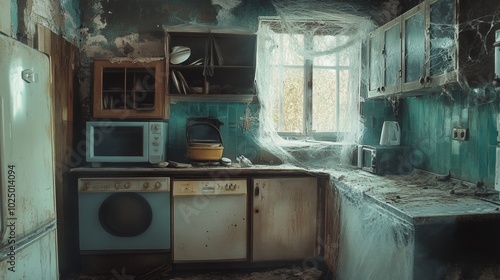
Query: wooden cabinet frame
x=129, y=89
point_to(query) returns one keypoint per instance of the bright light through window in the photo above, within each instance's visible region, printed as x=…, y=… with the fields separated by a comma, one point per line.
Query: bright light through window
x=299, y=108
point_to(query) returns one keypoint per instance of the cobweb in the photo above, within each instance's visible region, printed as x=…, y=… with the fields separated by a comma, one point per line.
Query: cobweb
x=373, y=243
x=335, y=19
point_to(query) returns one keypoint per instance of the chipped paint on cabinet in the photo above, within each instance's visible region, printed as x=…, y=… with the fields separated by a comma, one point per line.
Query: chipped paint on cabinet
x=284, y=218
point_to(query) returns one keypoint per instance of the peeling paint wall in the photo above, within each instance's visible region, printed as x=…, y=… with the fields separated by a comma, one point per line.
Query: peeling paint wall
x=62, y=17
x=137, y=28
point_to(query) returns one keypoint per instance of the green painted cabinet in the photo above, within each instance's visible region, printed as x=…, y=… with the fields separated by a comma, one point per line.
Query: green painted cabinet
x=414, y=70
x=384, y=60
x=444, y=45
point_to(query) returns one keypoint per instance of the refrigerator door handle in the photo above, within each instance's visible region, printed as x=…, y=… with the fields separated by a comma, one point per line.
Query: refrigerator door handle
x=29, y=76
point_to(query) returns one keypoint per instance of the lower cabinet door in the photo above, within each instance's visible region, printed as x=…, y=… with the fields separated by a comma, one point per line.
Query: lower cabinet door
x=284, y=219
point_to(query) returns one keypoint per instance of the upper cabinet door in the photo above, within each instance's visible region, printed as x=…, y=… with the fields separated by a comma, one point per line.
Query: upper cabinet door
x=392, y=55
x=384, y=60
x=442, y=43
x=376, y=64
x=414, y=49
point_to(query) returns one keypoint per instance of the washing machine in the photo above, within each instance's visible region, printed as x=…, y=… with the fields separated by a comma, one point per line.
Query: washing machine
x=117, y=214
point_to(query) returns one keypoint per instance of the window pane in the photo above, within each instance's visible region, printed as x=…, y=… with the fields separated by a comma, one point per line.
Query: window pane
x=330, y=112
x=328, y=43
x=285, y=51
x=289, y=109
x=345, y=119
x=324, y=100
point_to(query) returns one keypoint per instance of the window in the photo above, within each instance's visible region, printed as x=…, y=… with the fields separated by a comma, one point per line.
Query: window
x=306, y=82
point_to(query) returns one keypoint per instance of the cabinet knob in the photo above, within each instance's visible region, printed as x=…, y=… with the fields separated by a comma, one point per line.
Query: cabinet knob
x=382, y=88
x=257, y=191
x=421, y=81
x=428, y=79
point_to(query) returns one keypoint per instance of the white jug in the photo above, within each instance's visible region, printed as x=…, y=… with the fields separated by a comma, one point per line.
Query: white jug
x=391, y=134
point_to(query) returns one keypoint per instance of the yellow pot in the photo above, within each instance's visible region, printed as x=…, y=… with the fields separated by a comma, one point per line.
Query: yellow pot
x=205, y=153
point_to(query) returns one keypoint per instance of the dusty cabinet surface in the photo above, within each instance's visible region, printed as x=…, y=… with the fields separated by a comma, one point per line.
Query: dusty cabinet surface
x=445, y=44
x=127, y=89
x=217, y=66
x=376, y=65
x=284, y=218
x=385, y=60
x=414, y=71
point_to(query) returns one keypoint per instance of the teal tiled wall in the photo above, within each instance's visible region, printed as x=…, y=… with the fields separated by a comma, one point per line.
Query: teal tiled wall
x=235, y=140
x=374, y=113
x=427, y=123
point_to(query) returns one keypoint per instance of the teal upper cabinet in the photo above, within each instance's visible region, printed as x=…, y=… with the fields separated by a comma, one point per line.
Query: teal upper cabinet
x=414, y=47
x=392, y=51
x=376, y=64
x=384, y=60
x=445, y=44
x=441, y=42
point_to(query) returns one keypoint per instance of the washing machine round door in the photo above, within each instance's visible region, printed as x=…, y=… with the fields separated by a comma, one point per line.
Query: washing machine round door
x=125, y=214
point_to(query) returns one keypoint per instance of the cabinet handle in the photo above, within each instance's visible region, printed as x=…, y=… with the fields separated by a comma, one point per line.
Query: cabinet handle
x=428, y=79
x=257, y=191
x=382, y=88
x=421, y=81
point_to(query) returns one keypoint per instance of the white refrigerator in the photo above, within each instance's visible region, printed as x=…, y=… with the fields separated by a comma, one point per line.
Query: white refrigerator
x=28, y=247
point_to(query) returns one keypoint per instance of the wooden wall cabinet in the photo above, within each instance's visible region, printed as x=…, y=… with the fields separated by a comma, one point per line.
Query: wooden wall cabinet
x=220, y=68
x=129, y=89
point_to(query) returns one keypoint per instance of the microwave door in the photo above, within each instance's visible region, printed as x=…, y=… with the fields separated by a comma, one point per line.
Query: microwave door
x=119, y=144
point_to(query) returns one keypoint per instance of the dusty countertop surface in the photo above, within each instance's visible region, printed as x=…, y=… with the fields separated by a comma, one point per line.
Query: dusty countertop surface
x=422, y=197
x=216, y=171
x=419, y=198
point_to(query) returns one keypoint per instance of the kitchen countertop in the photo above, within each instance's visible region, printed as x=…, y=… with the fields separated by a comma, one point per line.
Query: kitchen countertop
x=215, y=171
x=418, y=198
x=422, y=197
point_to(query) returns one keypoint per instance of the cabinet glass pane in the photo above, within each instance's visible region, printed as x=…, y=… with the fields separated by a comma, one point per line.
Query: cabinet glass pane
x=393, y=55
x=414, y=47
x=113, y=79
x=442, y=35
x=376, y=63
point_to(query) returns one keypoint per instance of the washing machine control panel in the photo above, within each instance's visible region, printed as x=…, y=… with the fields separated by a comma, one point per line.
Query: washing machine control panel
x=124, y=184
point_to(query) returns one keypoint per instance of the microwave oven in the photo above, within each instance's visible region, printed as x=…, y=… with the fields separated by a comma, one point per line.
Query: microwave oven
x=385, y=160
x=125, y=142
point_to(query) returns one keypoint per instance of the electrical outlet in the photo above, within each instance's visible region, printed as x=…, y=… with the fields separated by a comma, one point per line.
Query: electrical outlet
x=459, y=134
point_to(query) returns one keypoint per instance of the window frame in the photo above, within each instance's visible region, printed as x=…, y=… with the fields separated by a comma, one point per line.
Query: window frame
x=308, y=67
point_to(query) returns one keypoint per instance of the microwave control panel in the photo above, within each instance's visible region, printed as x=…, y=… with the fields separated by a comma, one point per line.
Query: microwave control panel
x=157, y=141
